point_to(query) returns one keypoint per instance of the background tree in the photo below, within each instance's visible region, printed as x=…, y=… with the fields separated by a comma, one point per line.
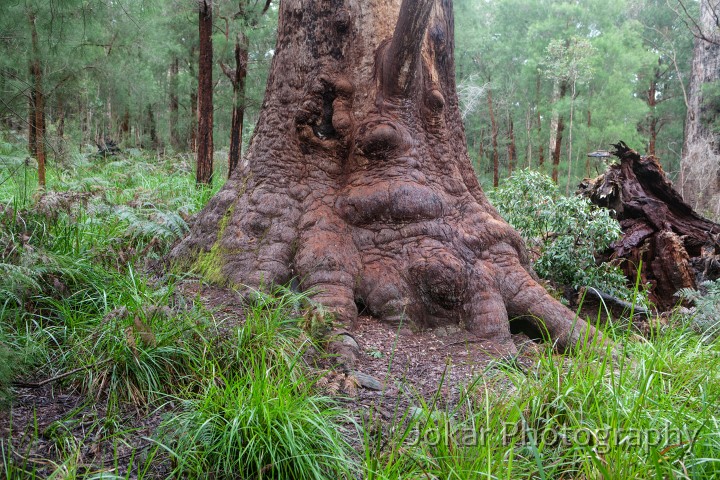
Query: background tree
x=204, y=172
x=700, y=177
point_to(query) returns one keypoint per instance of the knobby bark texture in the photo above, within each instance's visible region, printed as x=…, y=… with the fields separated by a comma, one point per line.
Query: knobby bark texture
x=700, y=166
x=676, y=247
x=204, y=170
x=357, y=183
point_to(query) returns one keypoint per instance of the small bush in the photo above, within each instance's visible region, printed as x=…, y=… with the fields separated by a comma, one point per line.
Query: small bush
x=564, y=232
x=706, y=318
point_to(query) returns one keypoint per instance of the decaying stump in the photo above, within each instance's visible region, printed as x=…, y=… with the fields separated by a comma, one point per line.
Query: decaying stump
x=677, y=247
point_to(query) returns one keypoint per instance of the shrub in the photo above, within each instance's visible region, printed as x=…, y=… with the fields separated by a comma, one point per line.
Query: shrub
x=563, y=232
x=706, y=318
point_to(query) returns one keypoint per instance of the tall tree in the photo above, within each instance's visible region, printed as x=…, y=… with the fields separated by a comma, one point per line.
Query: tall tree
x=700, y=175
x=37, y=116
x=204, y=172
x=357, y=182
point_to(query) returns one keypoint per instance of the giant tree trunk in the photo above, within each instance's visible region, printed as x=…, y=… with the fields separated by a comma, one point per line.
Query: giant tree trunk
x=357, y=182
x=205, y=96
x=700, y=166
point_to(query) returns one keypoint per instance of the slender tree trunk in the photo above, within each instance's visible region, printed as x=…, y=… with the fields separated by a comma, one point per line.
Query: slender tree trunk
x=204, y=171
x=541, y=146
x=494, y=139
x=587, y=159
x=511, y=149
x=174, y=104
x=570, y=144
x=32, y=128
x=60, y=116
x=557, y=146
x=193, y=103
x=652, y=104
x=358, y=181
x=38, y=104
x=125, y=125
x=152, y=128
x=237, y=78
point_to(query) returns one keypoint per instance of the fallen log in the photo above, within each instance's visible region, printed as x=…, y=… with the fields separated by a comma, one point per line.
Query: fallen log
x=676, y=247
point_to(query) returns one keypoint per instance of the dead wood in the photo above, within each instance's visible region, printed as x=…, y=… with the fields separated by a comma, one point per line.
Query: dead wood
x=673, y=245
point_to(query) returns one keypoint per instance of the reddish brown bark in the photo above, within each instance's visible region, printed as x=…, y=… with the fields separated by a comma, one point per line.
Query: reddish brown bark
x=358, y=183
x=676, y=247
x=204, y=170
x=237, y=78
x=37, y=128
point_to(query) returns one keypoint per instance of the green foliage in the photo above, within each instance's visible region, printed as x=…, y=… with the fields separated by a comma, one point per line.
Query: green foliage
x=257, y=414
x=706, y=317
x=584, y=416
x=566, y=232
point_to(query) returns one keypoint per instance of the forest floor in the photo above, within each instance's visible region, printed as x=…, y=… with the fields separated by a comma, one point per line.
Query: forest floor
x=155, y=374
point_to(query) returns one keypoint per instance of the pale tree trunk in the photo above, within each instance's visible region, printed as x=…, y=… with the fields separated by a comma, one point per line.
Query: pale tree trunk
x=700, y=166
x=569, y=143
x=204, y=170
x=358, y=183
x=541, y=146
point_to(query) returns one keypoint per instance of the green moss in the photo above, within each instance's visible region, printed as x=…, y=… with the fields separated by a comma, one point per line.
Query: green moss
x=210, y=264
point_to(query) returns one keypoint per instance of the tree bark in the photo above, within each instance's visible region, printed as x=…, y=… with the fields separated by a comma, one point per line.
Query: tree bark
x=494, y=140
x=204, y=170
x=152, y=128
x=357, y=182
x=237, y=78
x=38, y=103
x=193, y=104
x=511, y=149
x=557, y=146
x=700, y=165
x=541, y=146
x=125, y=124
x=174, y=104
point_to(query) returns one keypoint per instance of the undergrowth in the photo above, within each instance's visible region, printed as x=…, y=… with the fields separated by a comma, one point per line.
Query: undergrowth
x=230, y=395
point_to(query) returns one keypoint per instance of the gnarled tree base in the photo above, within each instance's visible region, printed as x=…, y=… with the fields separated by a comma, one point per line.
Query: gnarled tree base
x=357, y=183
